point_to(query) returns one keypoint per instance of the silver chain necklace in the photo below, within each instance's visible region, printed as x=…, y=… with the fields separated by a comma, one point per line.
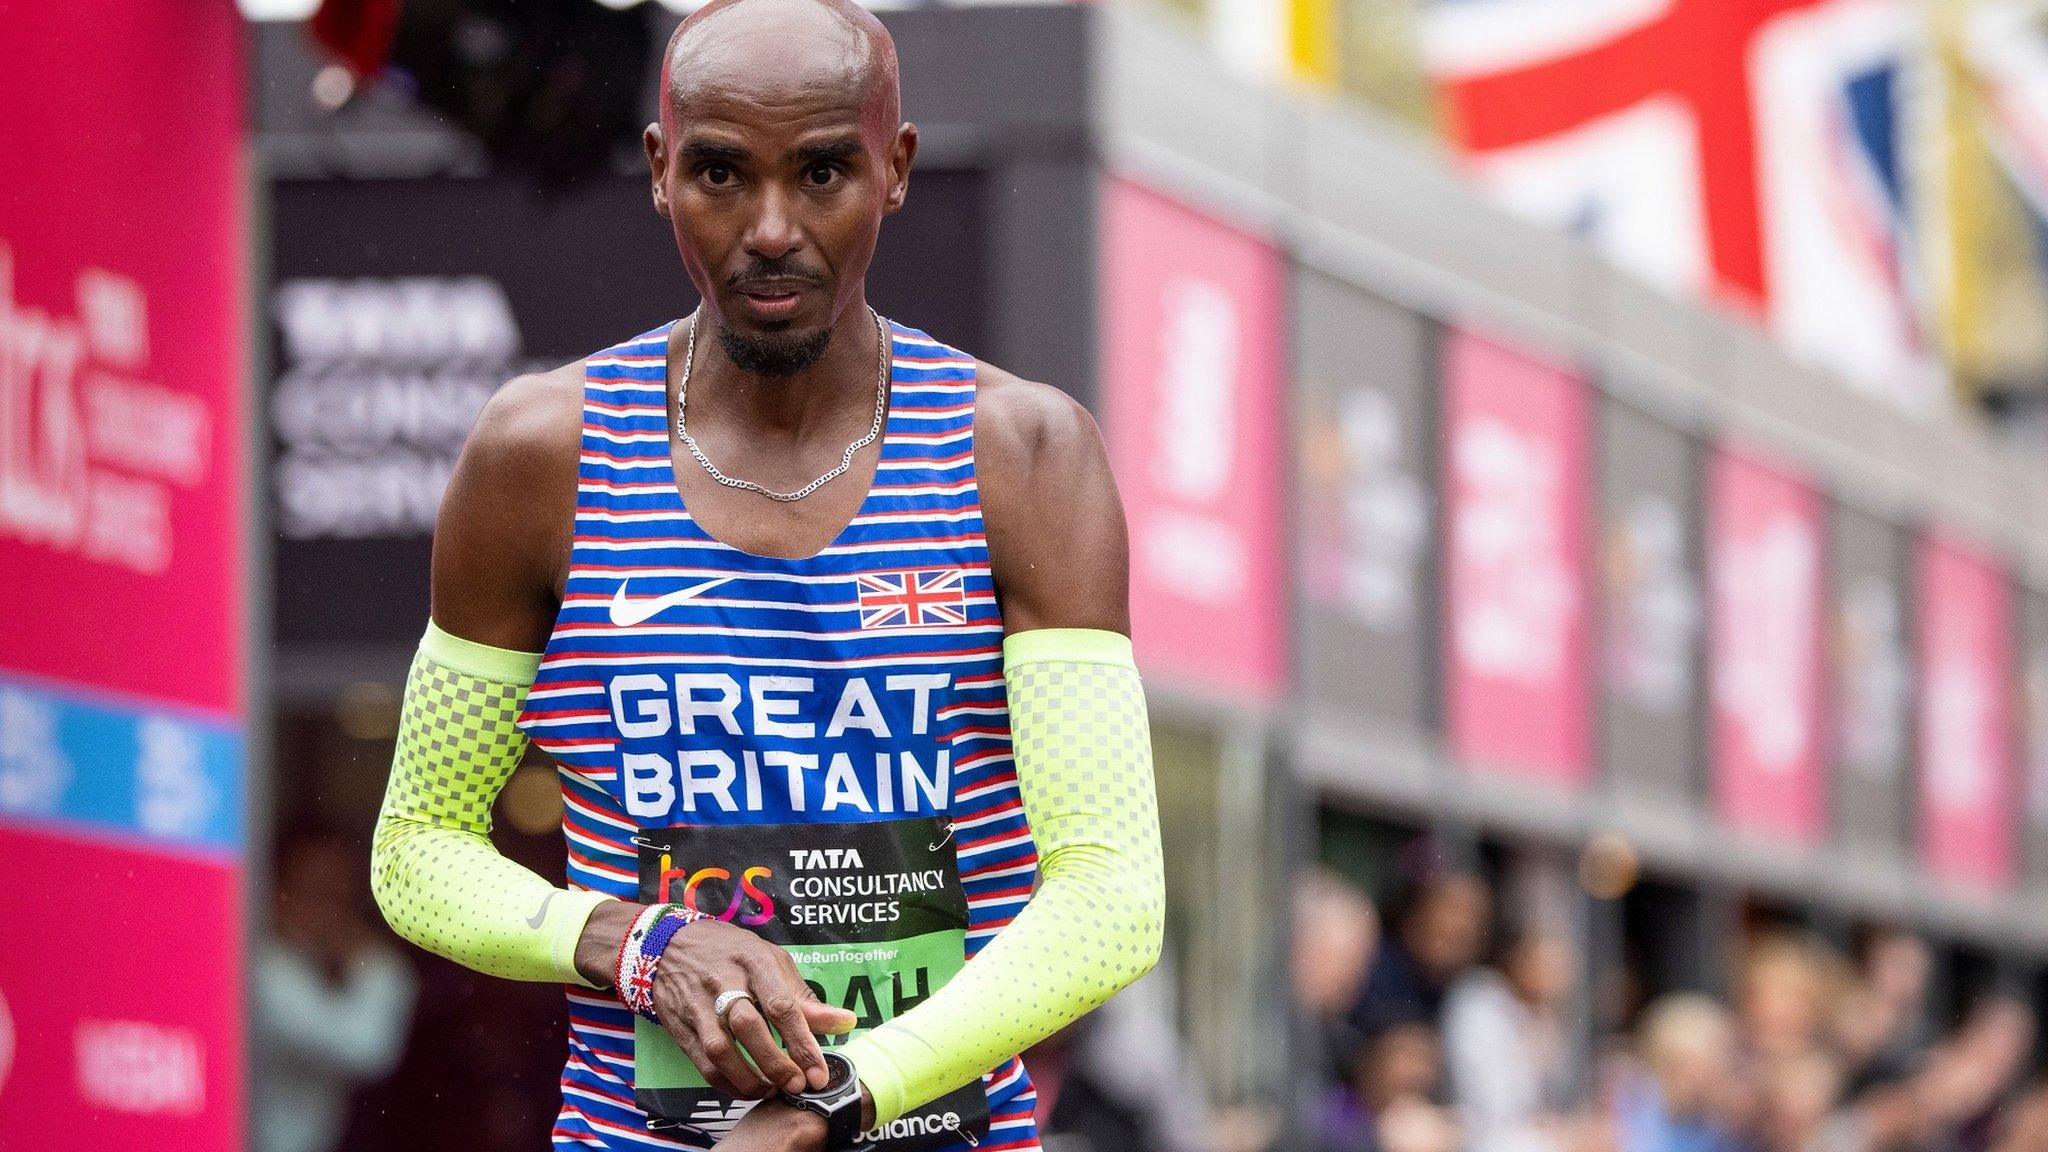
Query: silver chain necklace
x=845, y=461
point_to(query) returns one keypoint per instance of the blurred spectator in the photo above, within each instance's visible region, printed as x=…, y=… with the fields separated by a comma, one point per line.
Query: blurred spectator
x=1336, y=931
x=1670, y=1102
x=1786, y=994
x=1967, y=1075
x=1335, y=934
x=1880, y=1024
x=1394, y=1109
x=1799, y=1103
x=1507, y=1049
x=1402, y=1063
x=1787, y=991
x=1438, y=935
x=331, y=998
x=1947, y=1102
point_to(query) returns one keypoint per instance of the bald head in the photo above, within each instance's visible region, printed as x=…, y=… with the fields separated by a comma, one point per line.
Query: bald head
x=780, y=150
x=766, y=47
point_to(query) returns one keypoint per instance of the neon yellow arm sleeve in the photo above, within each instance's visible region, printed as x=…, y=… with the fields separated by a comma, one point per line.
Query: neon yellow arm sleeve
x=1084, y=766
x=440, y=882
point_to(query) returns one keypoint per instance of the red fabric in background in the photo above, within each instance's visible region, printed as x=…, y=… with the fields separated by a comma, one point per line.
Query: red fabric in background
x=358, y=31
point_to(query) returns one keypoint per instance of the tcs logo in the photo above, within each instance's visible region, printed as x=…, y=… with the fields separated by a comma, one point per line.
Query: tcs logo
x=745, y=902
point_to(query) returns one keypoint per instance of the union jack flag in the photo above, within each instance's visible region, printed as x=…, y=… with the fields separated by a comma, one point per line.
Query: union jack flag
x=912, y=599
x=1765, y=171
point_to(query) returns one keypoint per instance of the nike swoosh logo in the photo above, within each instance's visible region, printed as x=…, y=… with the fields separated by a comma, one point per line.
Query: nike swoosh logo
x=626, y=613
x=534, y=922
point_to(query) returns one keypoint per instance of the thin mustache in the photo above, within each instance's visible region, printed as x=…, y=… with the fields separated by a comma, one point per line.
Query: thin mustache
x=752, y=276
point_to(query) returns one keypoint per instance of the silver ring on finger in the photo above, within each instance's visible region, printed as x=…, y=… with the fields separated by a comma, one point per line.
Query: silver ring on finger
x=723, y=1004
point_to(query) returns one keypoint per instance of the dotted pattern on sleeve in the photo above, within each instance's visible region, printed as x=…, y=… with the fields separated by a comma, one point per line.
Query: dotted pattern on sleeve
x=1084, y=766
x=436, y=875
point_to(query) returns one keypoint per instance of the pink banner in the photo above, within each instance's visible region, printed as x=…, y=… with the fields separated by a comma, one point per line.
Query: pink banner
x=1192, y=392
x=146, y=1053
x=1516, y=663
x=121, y=313
x=1764, y=549
x=122, y=262
x=1968, y=773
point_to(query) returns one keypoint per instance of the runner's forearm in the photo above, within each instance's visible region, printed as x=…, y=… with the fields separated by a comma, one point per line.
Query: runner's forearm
x=597, y=950
x=436, y=875
x=1084, y=767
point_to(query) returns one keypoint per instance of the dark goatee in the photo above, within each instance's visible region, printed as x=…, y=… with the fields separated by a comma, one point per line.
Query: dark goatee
x=774, y=355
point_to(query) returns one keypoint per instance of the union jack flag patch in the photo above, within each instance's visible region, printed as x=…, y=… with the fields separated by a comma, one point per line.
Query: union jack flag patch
x=912, y=599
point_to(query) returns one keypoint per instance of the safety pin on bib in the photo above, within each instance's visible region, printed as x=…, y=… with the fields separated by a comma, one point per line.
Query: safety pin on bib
x=942, y=840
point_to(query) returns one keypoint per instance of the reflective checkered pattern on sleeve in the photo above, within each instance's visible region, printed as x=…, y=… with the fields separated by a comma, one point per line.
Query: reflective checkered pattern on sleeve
x=436, y=875
x=1084, y=767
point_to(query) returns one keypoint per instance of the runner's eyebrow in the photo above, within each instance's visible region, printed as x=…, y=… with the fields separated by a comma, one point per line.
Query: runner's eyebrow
x=712, y=152
x=835, y=151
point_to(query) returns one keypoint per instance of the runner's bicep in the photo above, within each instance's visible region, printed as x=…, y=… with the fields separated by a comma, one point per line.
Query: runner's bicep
x=509, y=502
x=1055, y=525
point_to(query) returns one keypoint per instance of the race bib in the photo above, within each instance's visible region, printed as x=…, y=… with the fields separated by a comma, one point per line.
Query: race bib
x=874, y=917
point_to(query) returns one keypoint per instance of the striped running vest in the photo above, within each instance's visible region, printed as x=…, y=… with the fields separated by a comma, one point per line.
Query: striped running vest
x=817, y=749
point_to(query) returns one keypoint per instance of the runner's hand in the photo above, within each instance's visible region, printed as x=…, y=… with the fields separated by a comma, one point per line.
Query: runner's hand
x=711, y=956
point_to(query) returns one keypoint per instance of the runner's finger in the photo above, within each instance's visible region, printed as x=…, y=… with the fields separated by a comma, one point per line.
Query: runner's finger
x=748, y=1027
x=722, y=1055
x=819, y=1017
x=828, y=1020
x=783, y=1006
x=823, y=1018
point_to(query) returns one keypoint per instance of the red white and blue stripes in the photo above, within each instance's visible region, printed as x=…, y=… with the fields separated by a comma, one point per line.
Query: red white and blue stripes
x=689, y=682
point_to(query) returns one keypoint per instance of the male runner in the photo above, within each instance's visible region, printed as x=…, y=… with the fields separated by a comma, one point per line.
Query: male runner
x=825, y=624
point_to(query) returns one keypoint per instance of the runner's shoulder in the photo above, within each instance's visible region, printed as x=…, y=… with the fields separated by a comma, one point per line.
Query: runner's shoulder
x=1022, y=426
x=528, y=436
x=1057, y=543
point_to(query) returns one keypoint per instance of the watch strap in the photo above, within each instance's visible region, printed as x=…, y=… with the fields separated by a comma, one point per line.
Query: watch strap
x=842, y=1125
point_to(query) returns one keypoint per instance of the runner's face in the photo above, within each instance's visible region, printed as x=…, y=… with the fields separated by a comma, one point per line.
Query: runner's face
x=775, y=169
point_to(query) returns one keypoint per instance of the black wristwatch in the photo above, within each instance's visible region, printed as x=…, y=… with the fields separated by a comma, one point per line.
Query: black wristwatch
x=839, y=1103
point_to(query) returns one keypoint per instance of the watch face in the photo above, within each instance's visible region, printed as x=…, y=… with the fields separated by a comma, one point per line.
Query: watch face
x=840, y=1071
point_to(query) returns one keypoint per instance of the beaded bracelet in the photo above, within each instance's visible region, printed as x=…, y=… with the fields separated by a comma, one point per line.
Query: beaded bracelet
x=640, y=953
x=629, y=944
